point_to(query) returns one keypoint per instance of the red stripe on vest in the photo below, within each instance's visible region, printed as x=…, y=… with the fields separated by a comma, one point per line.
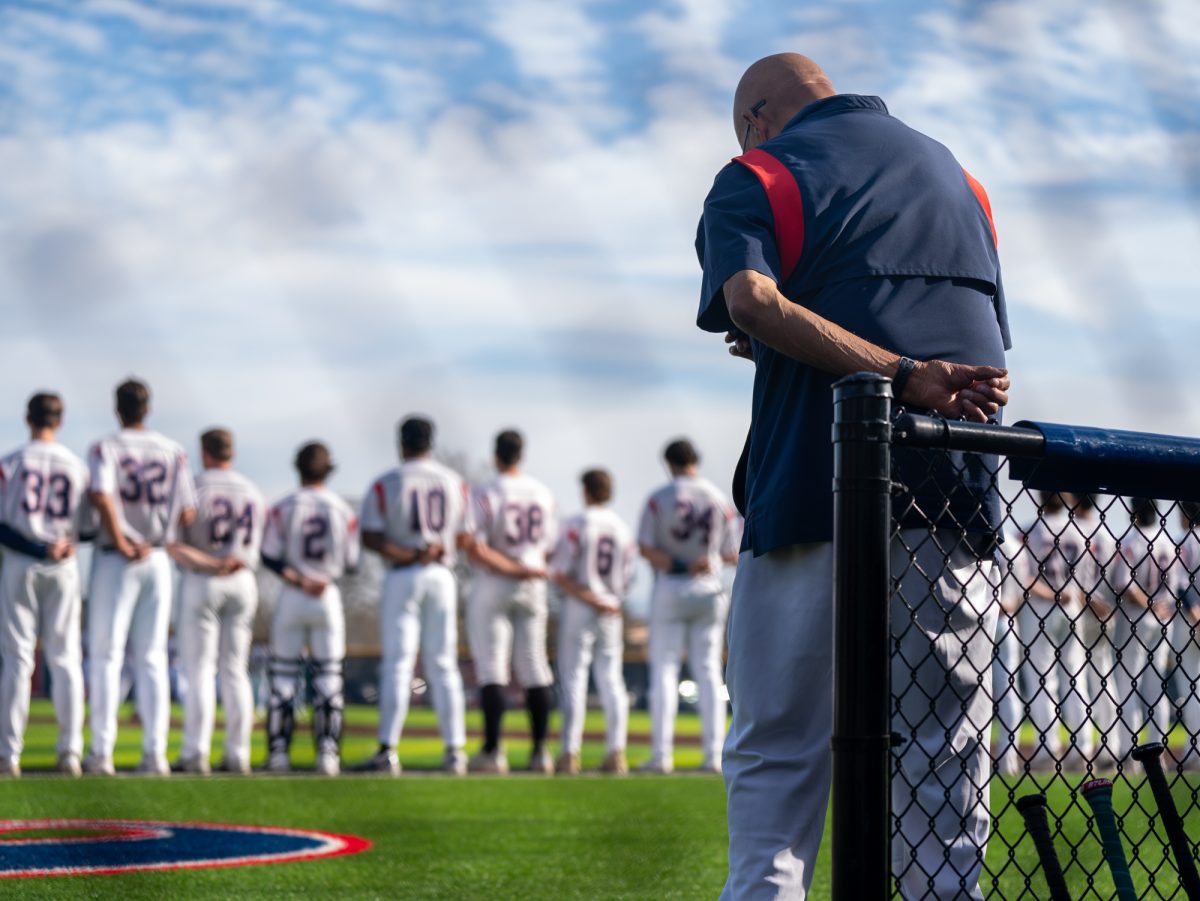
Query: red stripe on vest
x=381, y=498
x=787, y=206
x=981, y=196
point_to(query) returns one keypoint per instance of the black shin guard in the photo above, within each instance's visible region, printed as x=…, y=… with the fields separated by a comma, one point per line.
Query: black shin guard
x=327, y=708
x=281, y=714
x=281, y=719
x=491, y=698
x=539, y=700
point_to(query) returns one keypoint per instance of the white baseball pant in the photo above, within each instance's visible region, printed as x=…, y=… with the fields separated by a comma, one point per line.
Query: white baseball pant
x=319, y=624
x=1187, y=646
x=129, y=601
x=1142, y=650
x=685, y=616
x=1006, y=685
x=777, y=758
x=215, y=628
x=1057, y=675
x=506, y=624
x=1095, y=634
x=38, y=597
x=587, y=637
x=419, y=608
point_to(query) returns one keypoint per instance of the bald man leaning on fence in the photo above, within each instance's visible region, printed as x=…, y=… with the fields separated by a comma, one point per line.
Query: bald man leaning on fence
x=843, y=241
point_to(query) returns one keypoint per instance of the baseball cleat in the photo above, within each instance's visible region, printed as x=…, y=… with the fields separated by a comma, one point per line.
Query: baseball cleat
x=68, y=764
x=231, y=765
x=568, y=765
x=328, y=764
x=10, y=767
x=455, y=762
x=197, y=765
x=382, y=761
x=97, y=765
x=153, y=766
x=488, y=762
x=278, y=763
x=540, y=761
x=656, y=768
x=615, y=763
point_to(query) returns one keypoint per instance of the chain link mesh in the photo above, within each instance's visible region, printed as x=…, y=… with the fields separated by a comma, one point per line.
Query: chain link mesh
x=1060, y=646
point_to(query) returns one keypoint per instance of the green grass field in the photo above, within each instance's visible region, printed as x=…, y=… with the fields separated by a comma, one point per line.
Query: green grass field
x=522, y=837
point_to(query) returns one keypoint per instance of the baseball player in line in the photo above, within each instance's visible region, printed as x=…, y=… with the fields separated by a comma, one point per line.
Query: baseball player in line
x=688, y=530
x=218, y=596
x=42, y=513
x=593, y=566
x=143, y=492
x=506, y=616
x=416, y=517
x=311, y=540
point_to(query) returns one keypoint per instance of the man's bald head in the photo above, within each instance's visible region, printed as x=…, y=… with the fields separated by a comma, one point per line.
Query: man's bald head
x=788, y=82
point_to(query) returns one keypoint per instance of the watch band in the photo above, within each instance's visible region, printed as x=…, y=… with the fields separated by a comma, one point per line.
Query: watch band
x=904, y=369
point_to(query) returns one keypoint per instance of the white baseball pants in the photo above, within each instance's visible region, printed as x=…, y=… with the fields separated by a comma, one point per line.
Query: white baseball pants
x=685, y=616
x=1187, y=646
x=1056, y=659
x=215, y=627
x=1006, y=685
x=129, y=601
x=506, y=625
x=587, y=637
x=1142, y=650
x=319, y=624
x=38, y=597
x=419, y=609
x=777, y=758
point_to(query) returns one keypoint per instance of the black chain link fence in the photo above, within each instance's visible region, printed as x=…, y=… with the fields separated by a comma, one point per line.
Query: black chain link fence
x=1038, y=636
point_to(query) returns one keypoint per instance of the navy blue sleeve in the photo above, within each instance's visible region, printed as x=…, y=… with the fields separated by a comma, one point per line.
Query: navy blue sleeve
x=274, y=564
x=736, y=233
x=11, y=538
x=1002, y=312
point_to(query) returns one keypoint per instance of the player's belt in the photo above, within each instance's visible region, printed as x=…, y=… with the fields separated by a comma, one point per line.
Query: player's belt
x=155, y=546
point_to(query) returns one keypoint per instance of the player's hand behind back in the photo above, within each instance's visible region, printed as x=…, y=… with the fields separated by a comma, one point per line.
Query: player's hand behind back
x=313, y=587
x=60, y=550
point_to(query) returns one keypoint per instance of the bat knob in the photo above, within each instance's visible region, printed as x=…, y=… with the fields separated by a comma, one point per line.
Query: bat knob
x=1147, y=751
x=1029, y=802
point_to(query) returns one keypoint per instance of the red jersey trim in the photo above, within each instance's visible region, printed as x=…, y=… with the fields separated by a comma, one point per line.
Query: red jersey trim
x=981, y=196
x=787, y=206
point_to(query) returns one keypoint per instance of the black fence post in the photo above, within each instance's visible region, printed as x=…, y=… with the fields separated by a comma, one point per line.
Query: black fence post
x=862, y=638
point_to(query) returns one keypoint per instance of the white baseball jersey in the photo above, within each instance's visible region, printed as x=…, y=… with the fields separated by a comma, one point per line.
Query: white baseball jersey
x=517, y=516
x=597, y=551
x=43, y=492
x=418, y=503
x=690, y=519
x=313, y=531
x=230, y=517
x=1185, y=574
x=1146, y=558
x=1059, y=554
x=147, y=476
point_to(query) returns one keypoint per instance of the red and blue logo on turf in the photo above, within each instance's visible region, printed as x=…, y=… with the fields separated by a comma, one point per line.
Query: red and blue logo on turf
x=77, y=847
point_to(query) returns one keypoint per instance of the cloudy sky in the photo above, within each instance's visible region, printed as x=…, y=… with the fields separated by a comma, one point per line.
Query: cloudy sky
x=305, y=219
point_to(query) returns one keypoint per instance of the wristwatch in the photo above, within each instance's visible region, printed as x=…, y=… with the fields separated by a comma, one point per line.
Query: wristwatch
x=904, y=369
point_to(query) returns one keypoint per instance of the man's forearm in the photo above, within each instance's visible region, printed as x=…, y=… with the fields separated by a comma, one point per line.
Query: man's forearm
x=953, y=389
x=107, y=512
x=758, y=309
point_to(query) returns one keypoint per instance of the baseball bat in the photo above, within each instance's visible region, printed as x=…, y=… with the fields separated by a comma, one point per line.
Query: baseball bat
x=1033, y=810
x=1148, y=755
x=1098, y=794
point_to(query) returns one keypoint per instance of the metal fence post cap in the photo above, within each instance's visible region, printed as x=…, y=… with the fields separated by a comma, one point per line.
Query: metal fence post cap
x=863, y=384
